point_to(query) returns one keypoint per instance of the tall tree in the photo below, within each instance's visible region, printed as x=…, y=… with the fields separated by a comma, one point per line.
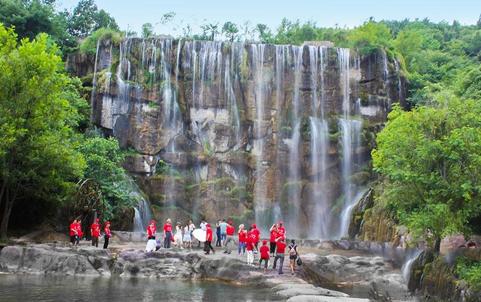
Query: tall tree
x=86, y=18
x=37, y=143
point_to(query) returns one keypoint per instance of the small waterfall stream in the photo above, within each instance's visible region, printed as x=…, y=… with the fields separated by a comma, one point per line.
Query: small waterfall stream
x=143, y=214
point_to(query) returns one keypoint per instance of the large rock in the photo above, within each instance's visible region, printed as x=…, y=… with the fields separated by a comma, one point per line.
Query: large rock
x=305, y=298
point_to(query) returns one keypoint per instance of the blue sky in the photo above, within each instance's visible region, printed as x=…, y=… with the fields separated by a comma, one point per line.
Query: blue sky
x=350, y=13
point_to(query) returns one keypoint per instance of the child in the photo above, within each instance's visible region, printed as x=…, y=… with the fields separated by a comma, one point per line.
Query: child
x=264, y=255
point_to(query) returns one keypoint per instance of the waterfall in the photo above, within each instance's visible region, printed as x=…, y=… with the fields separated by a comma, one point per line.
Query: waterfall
x=264, y=117
x=350, y=139
x=143, y=214
x=346, y=213
x=94, y=81
x=319, y=148
x=386, y=77
x=408, y=263
x=400, y=86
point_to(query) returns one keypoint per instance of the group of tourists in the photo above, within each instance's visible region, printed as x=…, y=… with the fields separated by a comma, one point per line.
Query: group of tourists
x=248, y=241
x=76, y=233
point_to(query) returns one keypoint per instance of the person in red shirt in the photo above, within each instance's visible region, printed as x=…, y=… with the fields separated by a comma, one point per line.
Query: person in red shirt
x=107, y=234
x=257, y=234
x=73, y=233
x=167, y=233
x=264, y=255
x=79, y=232
x=274, y=235
x=151, y=230
x=208, y=240
x=242, y=240
x=95, y=232
x=281, y=248
x=250, y=247
x=230, y=230
x=281, y=232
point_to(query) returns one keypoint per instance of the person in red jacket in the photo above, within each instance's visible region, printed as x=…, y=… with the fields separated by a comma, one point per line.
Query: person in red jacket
x=73, y=233
x=250, y=247
x=151, y=230
x=107, y=234
x=230, y=230
x=95, y=232
x=167, y=234
x=274, y=235
x=281, y=231
x=281, y=248
x=208, y=240
x=242, y=240
x=264, y=255
x=257, y=234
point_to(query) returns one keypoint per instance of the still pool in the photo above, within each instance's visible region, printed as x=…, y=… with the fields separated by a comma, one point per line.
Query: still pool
x=104, y=289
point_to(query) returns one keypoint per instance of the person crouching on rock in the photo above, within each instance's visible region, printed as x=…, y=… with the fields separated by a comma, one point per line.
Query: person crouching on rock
x=95, y=232
x=208, y=240
x=107, y=234
x=264, y=255
x=281, y=247
x=151, y=232
x=167, y=234
x=250, y=247
x=73, y=233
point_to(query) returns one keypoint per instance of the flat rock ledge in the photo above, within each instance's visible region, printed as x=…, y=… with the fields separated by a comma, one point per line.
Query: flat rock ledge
x=89, y=261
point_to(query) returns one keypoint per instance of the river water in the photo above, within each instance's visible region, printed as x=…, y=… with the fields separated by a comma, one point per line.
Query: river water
x=89, y=289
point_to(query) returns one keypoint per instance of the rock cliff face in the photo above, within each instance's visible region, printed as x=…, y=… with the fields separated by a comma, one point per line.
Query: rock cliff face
x=244, y=131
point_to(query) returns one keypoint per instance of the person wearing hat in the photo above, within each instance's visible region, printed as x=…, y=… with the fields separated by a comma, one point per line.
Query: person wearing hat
x=208, y=240
x=95, y=232
x=230, y=230
x=281, y=231
x=264, y=255
x=167, y=234
x=151, y=230
x=178, y=236
x=257, y=234
x=274, y=235
x=107, y=234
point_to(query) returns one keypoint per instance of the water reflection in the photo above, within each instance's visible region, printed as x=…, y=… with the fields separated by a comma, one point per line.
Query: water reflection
x=70, y=288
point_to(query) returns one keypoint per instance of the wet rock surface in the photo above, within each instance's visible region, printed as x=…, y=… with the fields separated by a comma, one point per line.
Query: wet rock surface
x=130, y=261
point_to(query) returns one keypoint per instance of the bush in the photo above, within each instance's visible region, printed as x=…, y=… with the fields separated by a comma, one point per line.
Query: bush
x=89, y=46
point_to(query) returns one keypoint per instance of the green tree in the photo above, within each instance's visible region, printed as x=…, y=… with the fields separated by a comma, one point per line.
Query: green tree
x=147, y=30
x=230, y=30
x=86, y=18
x=103, y=158
x=371, y=37
x=431, y=157
x=38, y=159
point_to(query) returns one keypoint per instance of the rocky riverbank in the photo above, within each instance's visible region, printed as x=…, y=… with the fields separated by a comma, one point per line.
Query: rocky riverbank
x=131, y=261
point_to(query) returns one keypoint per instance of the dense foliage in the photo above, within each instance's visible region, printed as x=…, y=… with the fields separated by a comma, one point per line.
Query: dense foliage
x=38, y=157
x=432, y=158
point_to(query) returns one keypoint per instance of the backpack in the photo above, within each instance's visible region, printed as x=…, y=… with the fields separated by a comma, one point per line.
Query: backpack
x=293, y=250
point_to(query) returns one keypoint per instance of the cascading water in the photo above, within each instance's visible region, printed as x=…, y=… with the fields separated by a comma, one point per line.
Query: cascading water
x=262, y=115
x=350, y=138
x=143, y=214
x=408, y=263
